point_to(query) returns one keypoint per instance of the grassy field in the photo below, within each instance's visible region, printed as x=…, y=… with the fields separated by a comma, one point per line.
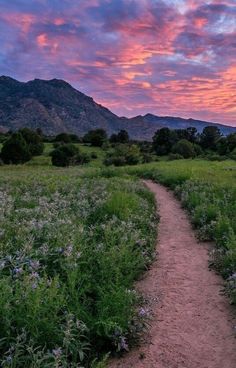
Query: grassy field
x=74, y=240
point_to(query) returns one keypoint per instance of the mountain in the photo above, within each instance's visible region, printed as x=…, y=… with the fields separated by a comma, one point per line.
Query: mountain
x=180, y=123
x=55, y=107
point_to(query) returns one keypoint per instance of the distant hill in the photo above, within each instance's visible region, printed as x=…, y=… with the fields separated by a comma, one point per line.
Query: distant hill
x=55, y=106
x=180, y=123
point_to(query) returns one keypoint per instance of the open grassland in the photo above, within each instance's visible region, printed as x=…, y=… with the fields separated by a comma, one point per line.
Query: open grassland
x=74, y=240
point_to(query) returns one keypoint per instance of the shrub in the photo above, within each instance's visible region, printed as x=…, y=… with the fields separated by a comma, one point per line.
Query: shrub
x=65, y=155
x=34, y=141
x=232, y=155
x=121, y=137
x=15, y=150
x=82, y=158
x=147, y=157
x=122, y=155
x=63, y=137
x=96, y=137
x=94, y=155
x=175, y=156
x=184, y=148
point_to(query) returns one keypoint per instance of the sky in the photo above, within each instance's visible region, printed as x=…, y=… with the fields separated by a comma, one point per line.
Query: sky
x=172, y=57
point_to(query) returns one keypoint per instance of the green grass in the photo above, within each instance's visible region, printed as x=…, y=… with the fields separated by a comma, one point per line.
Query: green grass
x=92, y=230
x=71, y=248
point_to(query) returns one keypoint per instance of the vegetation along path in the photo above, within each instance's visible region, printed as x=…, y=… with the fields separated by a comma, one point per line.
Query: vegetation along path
x=192, y=322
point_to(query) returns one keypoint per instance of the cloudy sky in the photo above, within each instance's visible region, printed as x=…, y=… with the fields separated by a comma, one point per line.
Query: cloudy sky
x=168, y=57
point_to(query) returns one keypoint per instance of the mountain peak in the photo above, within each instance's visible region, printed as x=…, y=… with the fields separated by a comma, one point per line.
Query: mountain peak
x=55, y=106
x=5, y=78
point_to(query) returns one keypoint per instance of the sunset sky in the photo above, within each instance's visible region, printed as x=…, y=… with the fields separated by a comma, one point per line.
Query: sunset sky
x=172, y=57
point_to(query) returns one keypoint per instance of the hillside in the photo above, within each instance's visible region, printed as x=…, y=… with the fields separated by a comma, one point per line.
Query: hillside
x=55, y=106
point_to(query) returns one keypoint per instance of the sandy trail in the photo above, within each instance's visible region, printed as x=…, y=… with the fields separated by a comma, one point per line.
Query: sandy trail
x=193, y=323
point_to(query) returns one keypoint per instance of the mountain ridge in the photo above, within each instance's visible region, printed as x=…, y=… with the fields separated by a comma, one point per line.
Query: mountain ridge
x=55, y=106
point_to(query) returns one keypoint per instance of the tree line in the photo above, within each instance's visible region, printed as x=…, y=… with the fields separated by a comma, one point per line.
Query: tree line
x=19, y=147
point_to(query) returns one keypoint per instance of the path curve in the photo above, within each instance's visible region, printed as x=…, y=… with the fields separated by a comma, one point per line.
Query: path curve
x=193, y=323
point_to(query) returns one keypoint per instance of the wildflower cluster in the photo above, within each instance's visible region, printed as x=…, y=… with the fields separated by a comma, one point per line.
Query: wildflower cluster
x=70, y=250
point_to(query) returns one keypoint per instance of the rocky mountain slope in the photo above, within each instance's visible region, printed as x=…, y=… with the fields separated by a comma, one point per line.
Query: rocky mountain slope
x=55, y=106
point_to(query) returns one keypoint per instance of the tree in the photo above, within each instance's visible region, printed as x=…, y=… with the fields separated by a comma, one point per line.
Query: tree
x=192, y=134
x=231, y=141
x=163, y=140
x=209, y=137
x=63, y=137
x=34, y=141
x=15, y=150
x=184, y=148
x=121, y=137
x=96, y=137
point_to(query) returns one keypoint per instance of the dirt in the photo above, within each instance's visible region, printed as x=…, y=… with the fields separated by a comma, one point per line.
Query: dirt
x=193, y=324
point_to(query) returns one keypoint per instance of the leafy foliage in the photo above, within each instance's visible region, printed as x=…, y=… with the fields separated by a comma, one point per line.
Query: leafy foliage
x=70, y=253
x=15, y=150
x=96, y=137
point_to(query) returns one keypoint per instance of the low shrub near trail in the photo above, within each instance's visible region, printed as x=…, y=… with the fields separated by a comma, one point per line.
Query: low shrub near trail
x=70, y=252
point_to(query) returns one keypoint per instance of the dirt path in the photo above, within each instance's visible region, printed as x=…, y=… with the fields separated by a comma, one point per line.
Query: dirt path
x=193, y=323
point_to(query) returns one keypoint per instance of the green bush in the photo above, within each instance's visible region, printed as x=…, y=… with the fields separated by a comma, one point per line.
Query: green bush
x=65, y=155
x=123, y=154
x=184, y=148
x=15, y=150
x=96, y=137
x=175, y=156
x=33, y=140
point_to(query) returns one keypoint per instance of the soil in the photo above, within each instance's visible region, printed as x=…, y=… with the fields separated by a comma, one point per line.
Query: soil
x=193, y=324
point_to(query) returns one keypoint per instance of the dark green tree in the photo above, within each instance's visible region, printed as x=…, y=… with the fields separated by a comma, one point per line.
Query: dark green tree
x=184, y=148
x=96, y=137
x=209, y=137
x=34, y=141
x=15, y=150
x=163, y=140
x=231, y=141
x=121, y=137
x=63, y=137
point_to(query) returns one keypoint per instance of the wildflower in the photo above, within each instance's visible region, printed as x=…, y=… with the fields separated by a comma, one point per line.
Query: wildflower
x=57, y=352
x=143, y=312
x=9, y=359
x=123, y=344
x=68, y=250
x=18, y=271
x=34, y=285
x=2, y=265
x=34, y=265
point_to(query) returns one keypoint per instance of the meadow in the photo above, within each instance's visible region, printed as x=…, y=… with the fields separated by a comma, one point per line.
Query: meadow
x=73, y=242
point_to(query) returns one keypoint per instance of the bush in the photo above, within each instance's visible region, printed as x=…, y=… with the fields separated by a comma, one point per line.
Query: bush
x=232, y=155
x=65, y=155
x=82, y=158
x=215, y=157
x=184, y=148
x=94, y=155
x=96, y=137
x=34, y=141
x=63, y=137
x=147, y=157
x=175, y=156
x=122, y=155
x=15, y=150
